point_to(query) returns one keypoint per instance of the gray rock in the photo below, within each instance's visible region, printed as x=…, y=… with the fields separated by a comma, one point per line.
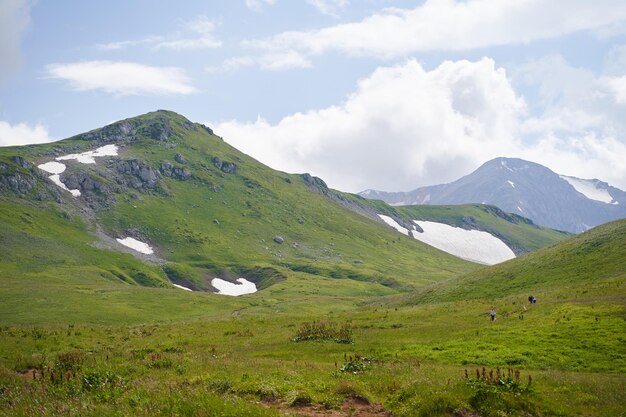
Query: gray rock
x=225, y=166
x=358, y=261
x=278, y=239
x=180, y=159
x=21, y=161
x=143, y=175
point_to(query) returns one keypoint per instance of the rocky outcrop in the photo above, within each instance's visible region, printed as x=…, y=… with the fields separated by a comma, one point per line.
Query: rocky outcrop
x=158, y=129
x=225, y=166
x=19, y=161
x=137, y=174
x=17, y=183
x=180, y=159
x=169, y=170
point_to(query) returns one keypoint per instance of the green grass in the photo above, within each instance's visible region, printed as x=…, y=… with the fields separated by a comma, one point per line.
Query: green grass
x=411, y=319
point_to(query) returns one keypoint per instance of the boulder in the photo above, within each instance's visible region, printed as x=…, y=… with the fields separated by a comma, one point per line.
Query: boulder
x=278, y=239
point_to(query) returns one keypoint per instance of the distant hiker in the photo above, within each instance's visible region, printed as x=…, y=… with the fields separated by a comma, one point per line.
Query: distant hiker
x=492, y=314
x=532, y=299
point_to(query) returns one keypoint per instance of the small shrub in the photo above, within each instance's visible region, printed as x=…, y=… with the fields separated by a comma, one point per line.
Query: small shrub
x=356, y=364
x=320, y=331
x=298, y=398
x=98, y=380
x=70, y=361
x=220, y=386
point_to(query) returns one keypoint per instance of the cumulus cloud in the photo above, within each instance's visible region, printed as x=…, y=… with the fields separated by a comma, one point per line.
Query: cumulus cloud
x=447, y=25
x=578, y=128
x=121, y=78
x=22, y=134
x=405, y=127
x=14, y=19
x=402, y=127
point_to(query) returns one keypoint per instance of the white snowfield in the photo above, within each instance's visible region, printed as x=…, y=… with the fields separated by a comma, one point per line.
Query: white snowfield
x=137, y=245
x=511, y=183
x=57, y=168
x=228, y=288
x=88, y=157
x=391, y=222
x=471, y=245
x=52, y=167
x=181, y=287
x=589, y=189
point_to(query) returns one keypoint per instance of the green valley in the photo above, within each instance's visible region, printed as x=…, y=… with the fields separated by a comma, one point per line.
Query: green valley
x=350, y=317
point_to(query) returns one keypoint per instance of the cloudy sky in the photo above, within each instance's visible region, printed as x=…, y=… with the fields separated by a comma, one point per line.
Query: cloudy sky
x=380, y=94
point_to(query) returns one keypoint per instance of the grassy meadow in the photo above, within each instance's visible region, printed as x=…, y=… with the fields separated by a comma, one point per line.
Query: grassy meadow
x=351, y=317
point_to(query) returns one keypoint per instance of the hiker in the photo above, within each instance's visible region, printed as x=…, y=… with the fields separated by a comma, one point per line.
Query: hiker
x=532, y=299
x=492, y=314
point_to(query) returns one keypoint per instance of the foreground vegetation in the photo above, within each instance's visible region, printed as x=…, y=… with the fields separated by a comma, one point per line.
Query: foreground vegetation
x=352, y=318
x=412, y=360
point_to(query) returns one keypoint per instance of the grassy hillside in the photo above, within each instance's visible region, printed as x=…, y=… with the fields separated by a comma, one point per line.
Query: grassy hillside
x=89, y=328
x=207, y=209
x=590, y=263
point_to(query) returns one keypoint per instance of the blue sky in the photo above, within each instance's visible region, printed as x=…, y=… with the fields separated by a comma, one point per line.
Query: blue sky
x=378, y=94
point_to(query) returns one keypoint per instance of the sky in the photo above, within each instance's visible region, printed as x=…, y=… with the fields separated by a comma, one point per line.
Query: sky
x=366, y=94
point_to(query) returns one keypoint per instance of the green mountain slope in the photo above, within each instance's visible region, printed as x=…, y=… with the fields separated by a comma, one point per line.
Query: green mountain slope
x=208, y=211
x=592, y=263
x=519, y=233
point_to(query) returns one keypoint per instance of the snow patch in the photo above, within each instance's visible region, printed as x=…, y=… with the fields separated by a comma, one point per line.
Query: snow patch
x=181, y=287
x=52, y=167
x=88, y=157
x=504, y=165
x=511, y=183
x=228, y=288
x=589, y=189
x=391, y=222
x=136, y=245
x=57, y=168
x=520, y=209
x=471, y=245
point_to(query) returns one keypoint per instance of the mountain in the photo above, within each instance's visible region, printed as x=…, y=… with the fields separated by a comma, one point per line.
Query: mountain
x=158, y=201
x=103, y=234
x=525, y=188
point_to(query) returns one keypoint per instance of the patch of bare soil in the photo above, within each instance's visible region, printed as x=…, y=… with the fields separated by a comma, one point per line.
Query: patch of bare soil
x=349, y=408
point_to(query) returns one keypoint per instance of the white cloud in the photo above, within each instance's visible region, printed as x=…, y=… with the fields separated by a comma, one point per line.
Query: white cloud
x=203, y=27
x=22, y=134
x=450, y=26
x=618, y=86
x=402, y=127
x=14, y=19
x=257, y=5
x=279, y=61
x=579, y=128
x=198, y=34
x=405, y=127
x=121, y=78
x=329, y=7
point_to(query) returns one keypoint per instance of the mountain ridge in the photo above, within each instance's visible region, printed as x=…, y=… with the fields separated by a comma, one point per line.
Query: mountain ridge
x=525, y=188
